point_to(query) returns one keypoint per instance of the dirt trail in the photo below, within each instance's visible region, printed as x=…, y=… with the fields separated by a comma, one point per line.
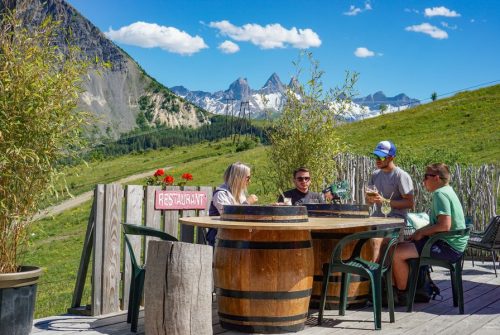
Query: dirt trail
x=81, y=198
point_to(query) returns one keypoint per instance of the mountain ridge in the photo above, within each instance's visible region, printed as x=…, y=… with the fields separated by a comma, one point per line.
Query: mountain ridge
x=271, y=97
x=122, y=97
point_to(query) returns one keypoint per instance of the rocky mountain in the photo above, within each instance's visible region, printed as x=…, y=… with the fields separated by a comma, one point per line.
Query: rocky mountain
x=240, y=99
x=122, y=96
x=379, y=98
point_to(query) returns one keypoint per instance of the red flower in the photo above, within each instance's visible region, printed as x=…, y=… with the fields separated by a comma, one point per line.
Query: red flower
x=169, y=180
x=187, y=176
x=159, y=173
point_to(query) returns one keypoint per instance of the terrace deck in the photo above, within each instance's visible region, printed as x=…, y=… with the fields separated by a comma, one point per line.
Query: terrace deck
x=482, y=314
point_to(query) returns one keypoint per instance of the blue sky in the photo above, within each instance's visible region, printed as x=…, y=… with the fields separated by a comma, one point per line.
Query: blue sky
x=412, y=47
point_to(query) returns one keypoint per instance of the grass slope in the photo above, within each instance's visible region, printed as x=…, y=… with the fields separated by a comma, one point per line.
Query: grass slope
x=463, y=128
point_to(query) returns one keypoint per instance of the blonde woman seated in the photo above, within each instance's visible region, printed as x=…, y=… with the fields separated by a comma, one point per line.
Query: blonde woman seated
x=232, y=192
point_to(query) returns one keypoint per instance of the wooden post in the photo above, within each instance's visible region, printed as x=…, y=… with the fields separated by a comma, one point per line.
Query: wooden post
x=178, y=289
x=97, y=262
x=111, y=249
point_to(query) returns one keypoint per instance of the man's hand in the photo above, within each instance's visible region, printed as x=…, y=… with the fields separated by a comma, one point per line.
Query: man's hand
x=418, y=235
x=374, y=199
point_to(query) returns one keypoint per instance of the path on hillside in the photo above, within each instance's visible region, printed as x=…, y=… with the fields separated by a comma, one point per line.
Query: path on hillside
x=80, y=199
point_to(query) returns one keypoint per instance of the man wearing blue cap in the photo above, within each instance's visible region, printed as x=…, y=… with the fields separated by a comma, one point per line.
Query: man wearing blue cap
x=393, y=183
x=394, y=186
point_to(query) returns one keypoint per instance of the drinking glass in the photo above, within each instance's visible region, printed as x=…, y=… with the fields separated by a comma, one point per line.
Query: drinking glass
x=371, y=190
x=287, y=201
x=386, y=207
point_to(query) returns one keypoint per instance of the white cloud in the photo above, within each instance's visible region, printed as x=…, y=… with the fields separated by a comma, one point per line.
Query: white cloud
x=412, y=10
x=446, y=25
x=229, y=47
x=428, y=29
x=353, y=10
x=270, y=36
x=152, y=35
x=440, y=11
x=363, y=52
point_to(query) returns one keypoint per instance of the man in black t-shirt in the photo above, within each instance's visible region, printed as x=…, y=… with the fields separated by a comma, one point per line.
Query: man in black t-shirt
x=300, y=194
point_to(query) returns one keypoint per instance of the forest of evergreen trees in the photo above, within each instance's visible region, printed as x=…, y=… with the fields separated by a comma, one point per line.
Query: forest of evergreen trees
x=146, y=138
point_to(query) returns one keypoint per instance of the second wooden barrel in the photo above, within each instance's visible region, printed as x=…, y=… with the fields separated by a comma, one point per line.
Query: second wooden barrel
x=263, y=279
x=323, y=244
x=359, y=287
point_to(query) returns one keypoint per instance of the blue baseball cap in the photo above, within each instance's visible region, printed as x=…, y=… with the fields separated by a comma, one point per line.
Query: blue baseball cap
x=384, y=149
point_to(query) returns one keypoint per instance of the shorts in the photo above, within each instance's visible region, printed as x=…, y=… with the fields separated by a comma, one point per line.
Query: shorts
x=439, y=250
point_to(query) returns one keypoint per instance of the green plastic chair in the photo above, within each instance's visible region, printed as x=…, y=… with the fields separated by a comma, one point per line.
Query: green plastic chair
x=138, y=270
x=425, y=258
x=357, y=265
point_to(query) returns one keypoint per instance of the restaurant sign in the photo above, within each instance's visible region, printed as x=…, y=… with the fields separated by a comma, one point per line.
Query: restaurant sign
x=180, y=200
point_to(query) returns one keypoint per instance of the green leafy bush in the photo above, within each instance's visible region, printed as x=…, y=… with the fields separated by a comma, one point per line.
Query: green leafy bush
x=39, y=87
x=304, y=134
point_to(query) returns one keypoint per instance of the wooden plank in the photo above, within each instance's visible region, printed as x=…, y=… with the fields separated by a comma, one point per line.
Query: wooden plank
x=187, y=232
x=84, y=260
x=111, y=248
x=96, y=294
x=152, y=216
x=451, y=317
x=134, y=195
x=201, y=232
x=361, y=321
x=478, y=322
x=171, y=218
x=474, y=285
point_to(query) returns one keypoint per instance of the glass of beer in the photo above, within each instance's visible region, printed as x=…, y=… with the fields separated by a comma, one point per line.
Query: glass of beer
x=371, y=190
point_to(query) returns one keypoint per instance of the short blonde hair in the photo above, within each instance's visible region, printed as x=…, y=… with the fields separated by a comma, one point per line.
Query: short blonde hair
x=440, y=169
x=235, y=178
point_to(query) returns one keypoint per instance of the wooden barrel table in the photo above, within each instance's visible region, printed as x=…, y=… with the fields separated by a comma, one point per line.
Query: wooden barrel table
x=324, y=241
x=255, y=293
x=263, y=270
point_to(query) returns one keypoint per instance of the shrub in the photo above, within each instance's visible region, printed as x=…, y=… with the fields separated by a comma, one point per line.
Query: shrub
x=39, y=126
x=304, y=134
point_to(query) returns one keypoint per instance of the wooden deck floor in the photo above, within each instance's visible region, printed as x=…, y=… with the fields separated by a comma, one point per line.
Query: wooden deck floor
x=482, y=308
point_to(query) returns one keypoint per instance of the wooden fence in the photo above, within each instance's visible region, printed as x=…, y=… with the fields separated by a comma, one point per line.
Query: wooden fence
x=111, y=269
x=477, y=187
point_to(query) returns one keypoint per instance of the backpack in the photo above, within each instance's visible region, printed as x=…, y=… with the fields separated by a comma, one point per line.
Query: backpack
x=426, y=288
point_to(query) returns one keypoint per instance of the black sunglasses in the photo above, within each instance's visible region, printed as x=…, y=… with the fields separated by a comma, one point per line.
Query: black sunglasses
x=303, y=178
x=379, y=158
x=427, y=175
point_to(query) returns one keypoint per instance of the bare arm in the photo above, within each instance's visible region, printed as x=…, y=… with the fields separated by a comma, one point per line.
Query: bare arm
x=443, y=224
x=406, y=202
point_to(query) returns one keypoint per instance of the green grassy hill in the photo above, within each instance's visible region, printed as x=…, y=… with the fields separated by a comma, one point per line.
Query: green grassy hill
x=463, y=128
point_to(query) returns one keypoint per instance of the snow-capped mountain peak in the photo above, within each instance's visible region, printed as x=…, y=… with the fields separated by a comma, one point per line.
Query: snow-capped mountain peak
x=239, y=98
